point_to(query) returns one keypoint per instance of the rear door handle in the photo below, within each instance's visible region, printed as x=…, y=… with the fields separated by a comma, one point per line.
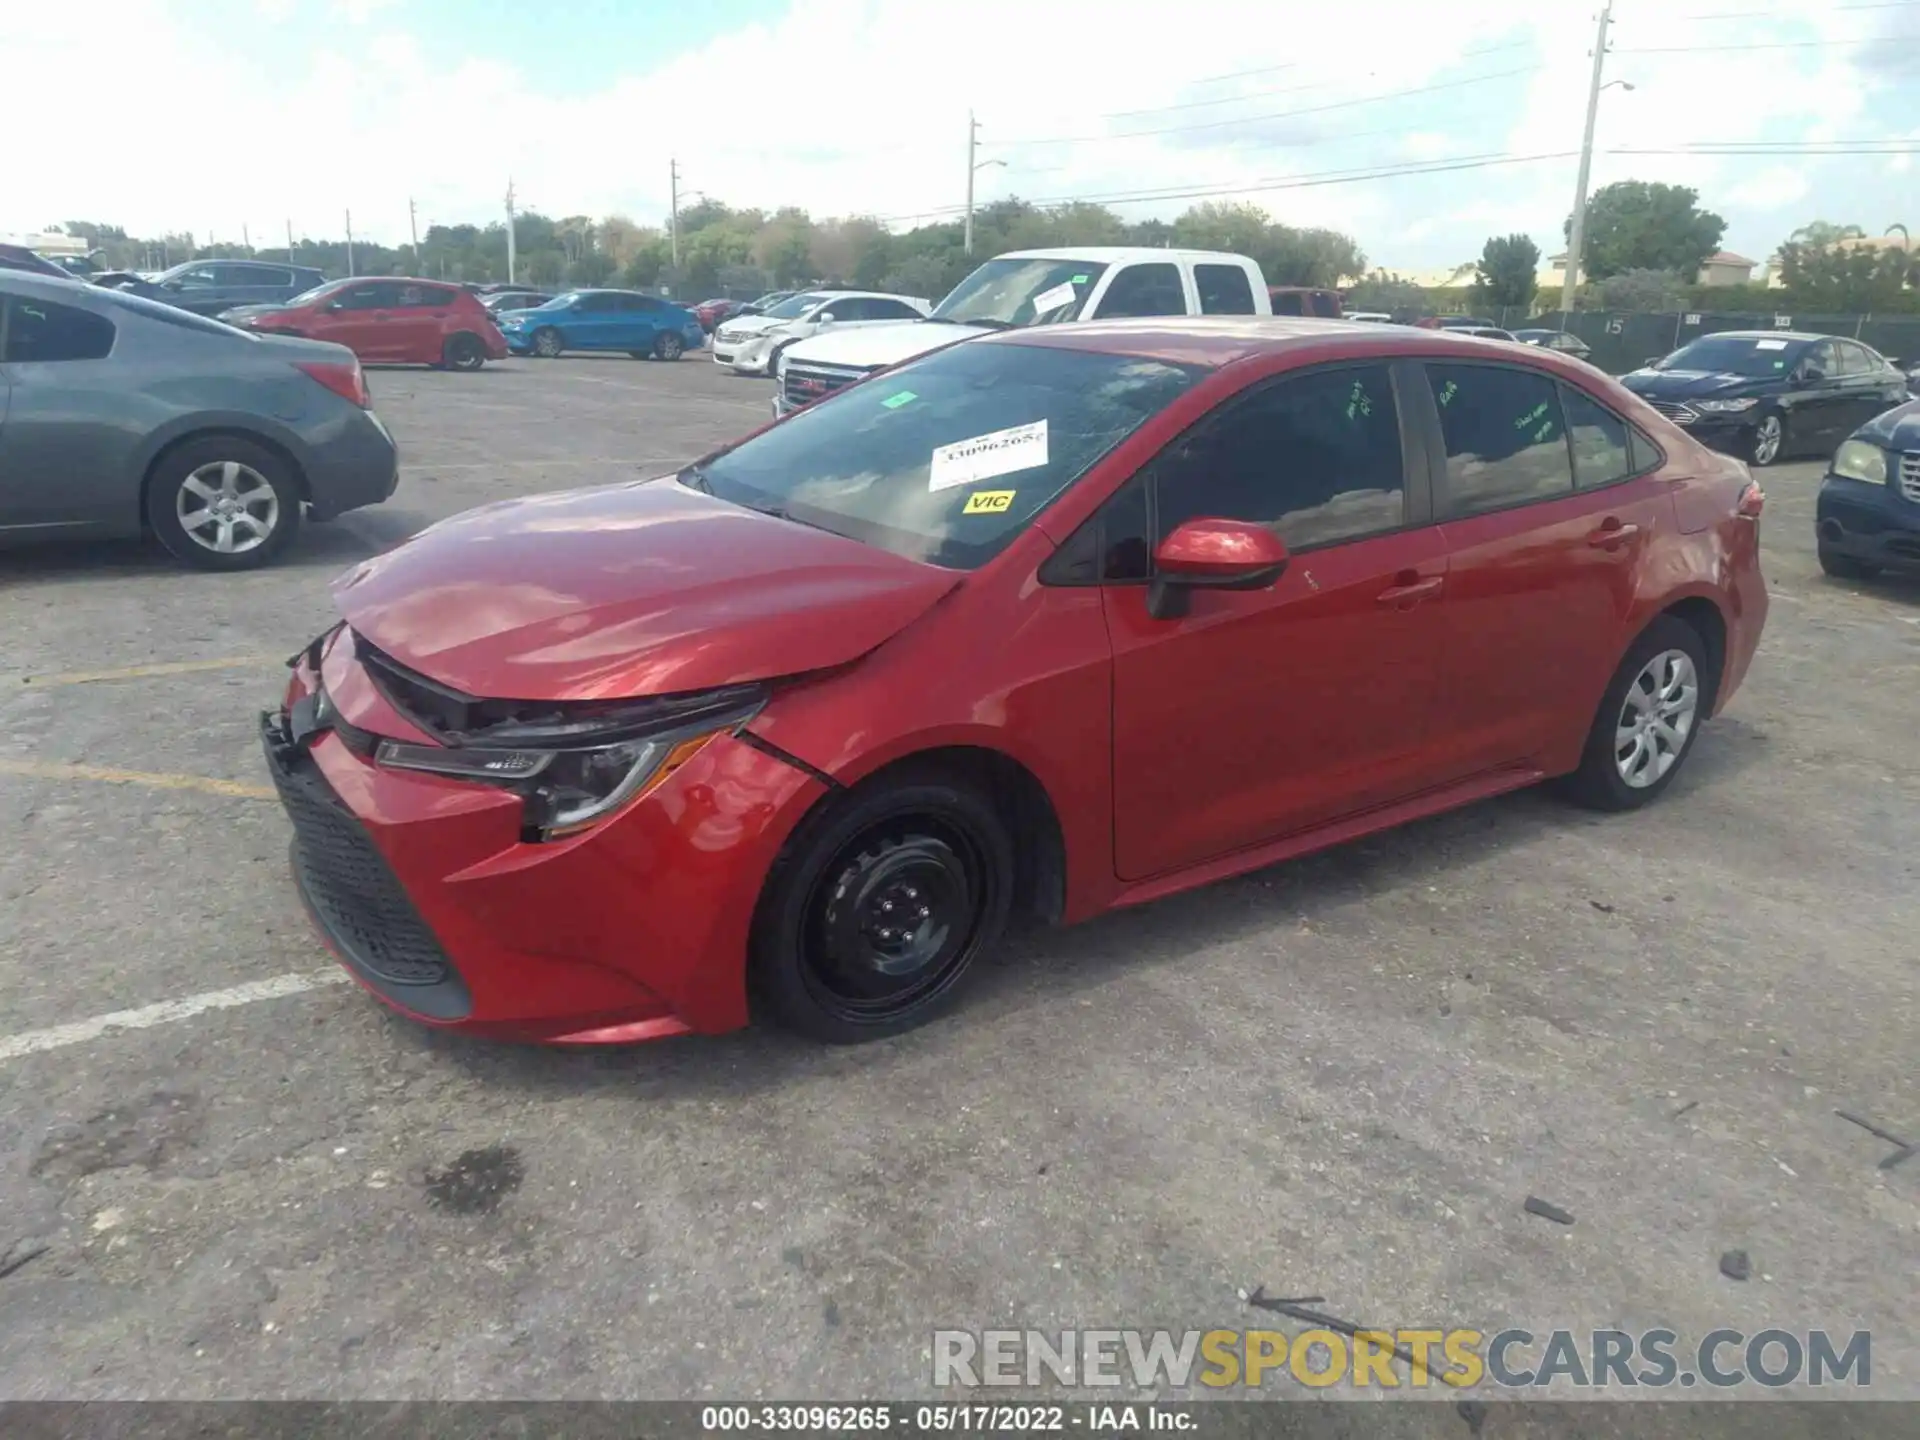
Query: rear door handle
x=1412, y=592
x=1612, y=535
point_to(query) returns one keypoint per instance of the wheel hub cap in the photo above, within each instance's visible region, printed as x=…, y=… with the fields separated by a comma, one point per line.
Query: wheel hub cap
x=1657, y=718
x=227, y=507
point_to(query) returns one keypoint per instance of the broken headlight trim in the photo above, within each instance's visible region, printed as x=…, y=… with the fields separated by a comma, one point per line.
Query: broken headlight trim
x=572, y=785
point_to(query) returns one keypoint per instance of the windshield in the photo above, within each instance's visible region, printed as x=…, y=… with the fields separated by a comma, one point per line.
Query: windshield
x=1022, y=292
x=1750, y=356
x=794, y=308
x=946, y=459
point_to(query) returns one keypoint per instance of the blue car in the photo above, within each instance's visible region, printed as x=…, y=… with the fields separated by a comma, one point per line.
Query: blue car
x=1868, y=514
x=641, y=325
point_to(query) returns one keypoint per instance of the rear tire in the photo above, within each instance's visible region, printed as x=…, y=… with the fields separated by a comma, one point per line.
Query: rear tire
x=1648, y=719
x=668, y=345
x=1842, y=567
x=464, y=352
x=877, y=908
x=223, y=490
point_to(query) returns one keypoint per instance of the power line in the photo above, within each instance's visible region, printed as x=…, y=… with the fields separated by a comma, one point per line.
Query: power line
x=1769, y=45
x=1781, y=15
x=1281, y=114
x=1290, y=89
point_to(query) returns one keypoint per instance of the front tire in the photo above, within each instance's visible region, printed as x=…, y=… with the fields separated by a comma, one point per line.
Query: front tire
x=668, y=345
x=1769, y=439
x=223, y=503
x=547, y=343
x=1647, y=721
x=878, y=907
x=464, y=352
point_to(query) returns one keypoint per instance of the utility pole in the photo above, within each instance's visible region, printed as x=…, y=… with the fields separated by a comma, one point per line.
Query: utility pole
x=973, y=138
x=673, y=200
x=246, y=239
x=290, y=240
x=349, y=242
x=510, y=243
x=1577, y=232
x=413, y=229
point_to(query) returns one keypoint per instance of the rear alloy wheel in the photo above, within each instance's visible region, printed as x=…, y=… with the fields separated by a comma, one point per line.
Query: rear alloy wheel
x=546, y=343
x=1769, y=439
x=223, y=503
x=879, y=909
x=1647, y=720
x=464, y=352
x=668, y=345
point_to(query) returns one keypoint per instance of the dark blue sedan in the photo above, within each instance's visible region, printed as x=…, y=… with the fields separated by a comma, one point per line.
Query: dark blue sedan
x=642, y=325
x=1868, y=516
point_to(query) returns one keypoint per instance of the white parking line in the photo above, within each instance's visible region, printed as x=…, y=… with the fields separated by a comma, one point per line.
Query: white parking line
x=79, y=1032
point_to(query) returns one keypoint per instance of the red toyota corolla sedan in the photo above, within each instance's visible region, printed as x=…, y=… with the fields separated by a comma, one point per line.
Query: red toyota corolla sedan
x=387, y=321
x=1051, y=621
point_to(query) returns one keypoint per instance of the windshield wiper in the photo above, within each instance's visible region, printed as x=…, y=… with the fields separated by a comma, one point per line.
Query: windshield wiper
x=984, y=324
x=694, y=477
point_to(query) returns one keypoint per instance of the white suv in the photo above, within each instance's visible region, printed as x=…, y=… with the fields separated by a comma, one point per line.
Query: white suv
x=1032, y=287
x=751, y=344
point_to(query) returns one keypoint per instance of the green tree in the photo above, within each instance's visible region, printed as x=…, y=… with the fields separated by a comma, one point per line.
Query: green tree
x=1849, y=280
x=1382, y=290
x=1641, y=225
x=1822, y=233
x=1642, y=290
x=1508, y=272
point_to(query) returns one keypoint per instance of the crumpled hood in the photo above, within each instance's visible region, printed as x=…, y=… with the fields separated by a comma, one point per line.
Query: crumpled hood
x=1895, y=429
x=750, y=324
x=1696, y=384
x=872, y=347
x=626, y=591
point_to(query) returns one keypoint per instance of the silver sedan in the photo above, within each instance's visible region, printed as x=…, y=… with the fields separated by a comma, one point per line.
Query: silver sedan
x=120, y=416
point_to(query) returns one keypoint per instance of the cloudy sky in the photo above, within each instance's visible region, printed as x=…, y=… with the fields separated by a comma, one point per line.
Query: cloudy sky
x=207, y=115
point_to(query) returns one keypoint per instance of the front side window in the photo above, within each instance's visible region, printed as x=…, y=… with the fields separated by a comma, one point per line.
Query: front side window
x=1821, y=363
x=1506, y=440
x=847, y=307
x=1010, y=292
x=40, y=332
x=260, y=275
x=1144, y=290
x=948, y=458
x=890, y=310
x=368, y=295
x=1316, y=457
x=1224, y=290
x=198, y=277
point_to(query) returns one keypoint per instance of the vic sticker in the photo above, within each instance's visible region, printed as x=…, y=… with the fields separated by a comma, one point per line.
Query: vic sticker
x=988, y=502
x=999, y=452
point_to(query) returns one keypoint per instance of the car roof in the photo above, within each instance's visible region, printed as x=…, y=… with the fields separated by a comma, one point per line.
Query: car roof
x=1764, y=335
x=1214, y=341
x=1116, y=254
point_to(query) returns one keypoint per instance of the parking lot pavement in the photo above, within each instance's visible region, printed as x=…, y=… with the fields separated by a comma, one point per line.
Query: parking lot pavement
x=1342, y=1076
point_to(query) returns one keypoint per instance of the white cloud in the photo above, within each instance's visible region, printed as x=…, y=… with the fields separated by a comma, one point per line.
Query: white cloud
x=861, y=105
x=1774, y=188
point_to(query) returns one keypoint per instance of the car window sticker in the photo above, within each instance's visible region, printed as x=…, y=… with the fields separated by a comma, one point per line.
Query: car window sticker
x=981, y=457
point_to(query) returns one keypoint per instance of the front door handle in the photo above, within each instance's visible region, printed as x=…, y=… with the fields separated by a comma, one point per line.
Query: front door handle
x=1408, y=593
x=1612, y=535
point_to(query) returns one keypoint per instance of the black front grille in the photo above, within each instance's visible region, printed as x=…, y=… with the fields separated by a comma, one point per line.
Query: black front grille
x=802, y=384
x=1678, y=413
x=354, y=893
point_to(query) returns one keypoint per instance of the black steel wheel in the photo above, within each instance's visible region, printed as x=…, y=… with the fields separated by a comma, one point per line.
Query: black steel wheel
x=879, y=907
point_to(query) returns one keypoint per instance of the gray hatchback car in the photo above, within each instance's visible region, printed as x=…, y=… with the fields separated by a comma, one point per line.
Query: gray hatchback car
x=120, y=416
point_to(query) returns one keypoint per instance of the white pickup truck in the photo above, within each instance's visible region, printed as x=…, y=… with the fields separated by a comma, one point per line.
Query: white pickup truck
x=1031, y=287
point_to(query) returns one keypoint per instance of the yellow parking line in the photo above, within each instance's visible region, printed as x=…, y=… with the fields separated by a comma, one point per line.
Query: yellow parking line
x=42, y=770
x=142, y=672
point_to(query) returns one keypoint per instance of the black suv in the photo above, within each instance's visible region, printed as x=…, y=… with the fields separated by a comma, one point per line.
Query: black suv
x=1767, y=394
x=206, y=287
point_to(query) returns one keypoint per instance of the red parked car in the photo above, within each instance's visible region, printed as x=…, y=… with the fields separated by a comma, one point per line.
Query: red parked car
x=387, y=321
x=711, y=312
x=1051, y=621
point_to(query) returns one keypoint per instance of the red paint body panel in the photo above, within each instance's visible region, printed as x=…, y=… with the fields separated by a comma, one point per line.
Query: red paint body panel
x=1374, y=682
x=411, y=335
x=626, y=591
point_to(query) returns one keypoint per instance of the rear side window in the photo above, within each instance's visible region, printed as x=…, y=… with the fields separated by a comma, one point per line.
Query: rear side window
x=1316, y=457
x=373, y=295
x=1153, y=289
x=430, y=297
x=1288, y=303
x=40, y=332
x=1602, y=441
x=1224, y=290
x=1506, y=440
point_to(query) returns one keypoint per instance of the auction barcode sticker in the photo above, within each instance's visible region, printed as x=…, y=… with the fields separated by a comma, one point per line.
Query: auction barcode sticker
x=1000, y=452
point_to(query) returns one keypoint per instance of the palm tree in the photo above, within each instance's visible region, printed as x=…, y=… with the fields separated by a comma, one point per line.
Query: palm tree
x=1821, y=234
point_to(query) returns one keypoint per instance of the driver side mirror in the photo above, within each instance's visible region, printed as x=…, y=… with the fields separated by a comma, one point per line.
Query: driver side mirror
x=1211, y=554
x=1652, y=362
x=335, y=305
x=824, y=319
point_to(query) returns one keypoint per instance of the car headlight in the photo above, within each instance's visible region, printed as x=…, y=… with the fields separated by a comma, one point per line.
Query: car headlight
x=574, y=772
x=1725, y=407
x=1857, y=460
